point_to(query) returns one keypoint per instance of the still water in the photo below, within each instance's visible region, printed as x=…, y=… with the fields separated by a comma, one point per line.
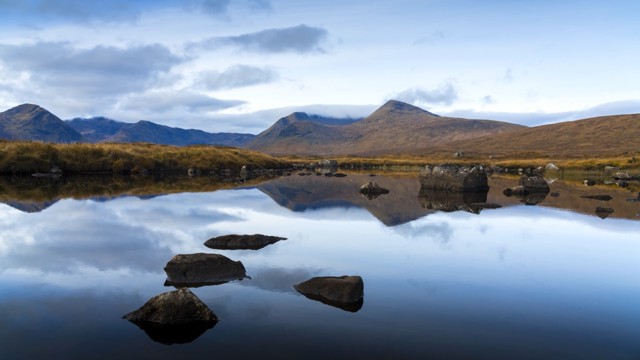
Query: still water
x=517, y=282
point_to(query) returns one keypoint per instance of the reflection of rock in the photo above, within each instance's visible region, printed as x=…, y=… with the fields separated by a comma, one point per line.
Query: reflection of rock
x=454, y=178
x=372, y=190
x=242, y=242
x=597, y=197
x=452, y=201
x=532, y=189
x=344, y=292
x=174, y=317
x=193, y=270
x=604, y=212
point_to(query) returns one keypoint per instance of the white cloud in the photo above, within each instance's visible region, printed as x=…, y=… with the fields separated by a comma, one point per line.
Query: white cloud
x=237, y=76
x=446, y=94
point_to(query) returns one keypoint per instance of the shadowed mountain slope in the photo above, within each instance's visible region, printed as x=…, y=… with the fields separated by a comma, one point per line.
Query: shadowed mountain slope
x=101, y=129
x=31, y=122
x=396, y=127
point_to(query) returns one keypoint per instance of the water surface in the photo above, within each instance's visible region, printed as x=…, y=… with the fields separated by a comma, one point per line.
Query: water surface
x=525, y=282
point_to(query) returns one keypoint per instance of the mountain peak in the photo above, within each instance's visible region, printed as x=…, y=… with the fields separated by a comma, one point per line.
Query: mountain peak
x=396, y=106
x=25, y=109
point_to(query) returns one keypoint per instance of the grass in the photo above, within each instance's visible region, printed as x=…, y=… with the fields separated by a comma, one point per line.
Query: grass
x=33, y=157
x=522, y=160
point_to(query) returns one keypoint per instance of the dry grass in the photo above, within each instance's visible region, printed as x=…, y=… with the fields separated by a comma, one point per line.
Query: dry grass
x=31, y=157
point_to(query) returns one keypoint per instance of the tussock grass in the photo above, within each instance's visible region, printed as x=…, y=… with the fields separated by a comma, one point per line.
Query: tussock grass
x=33, y=157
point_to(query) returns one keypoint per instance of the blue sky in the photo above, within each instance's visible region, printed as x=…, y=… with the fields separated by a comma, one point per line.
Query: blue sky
x=239, y=65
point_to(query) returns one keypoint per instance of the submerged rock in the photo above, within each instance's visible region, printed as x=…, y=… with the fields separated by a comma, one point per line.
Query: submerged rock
x=454, y=178
x=193, y=270
x=344, y=292
x=604, y=212
x=372, y=190
x=242, y=242
x=597, y=197
x=174, y=317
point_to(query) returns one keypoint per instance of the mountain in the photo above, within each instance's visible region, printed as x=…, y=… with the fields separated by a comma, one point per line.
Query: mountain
x=31, y=122
x=587, y=137
x=100, y=129
x=394, y=128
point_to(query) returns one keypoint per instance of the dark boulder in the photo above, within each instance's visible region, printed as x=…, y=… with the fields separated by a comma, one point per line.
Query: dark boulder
x=194, y=270
x=372, y=190
x=344, y=292
x=242, y=242
x=589, y=182
x=174, y=317
x=454, y=178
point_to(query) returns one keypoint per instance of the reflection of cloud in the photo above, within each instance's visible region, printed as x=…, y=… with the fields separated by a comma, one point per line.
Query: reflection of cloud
x=440, y=232
x=278, y=279
x=105, y=236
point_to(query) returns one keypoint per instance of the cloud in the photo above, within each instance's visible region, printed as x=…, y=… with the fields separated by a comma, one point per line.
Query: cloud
x=541, y=118
x=446, y=94
x=299, y=39
x=156, y=102
x=237, y=76
x=74, y=10
x=222, y=7
x=101, y=70
x=430, y=39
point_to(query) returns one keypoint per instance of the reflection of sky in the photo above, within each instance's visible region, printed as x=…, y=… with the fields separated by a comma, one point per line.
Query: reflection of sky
x=508, y=281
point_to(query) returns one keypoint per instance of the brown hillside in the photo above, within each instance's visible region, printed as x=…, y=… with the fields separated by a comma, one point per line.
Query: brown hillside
x=589, y=137
x=394, y=128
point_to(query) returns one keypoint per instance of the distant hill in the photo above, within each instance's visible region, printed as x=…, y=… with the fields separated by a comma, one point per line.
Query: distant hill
x=394, y=128
x=31, y=122
x=595, y=136
x=100, y=129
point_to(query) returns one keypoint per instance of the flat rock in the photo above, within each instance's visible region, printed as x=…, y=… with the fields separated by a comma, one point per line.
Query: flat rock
x=242, y=242
x=344, y=292
x=193, y=270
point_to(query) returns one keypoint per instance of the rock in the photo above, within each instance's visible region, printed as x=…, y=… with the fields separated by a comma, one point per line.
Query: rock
x=589, y=182
x=458, y=154
x=174, y=317
x=604, y=212
x=328, y=164
x=344, y=292
x=328, y=174
x=623, y=184
x=454, y=178
x=55, y=170
x=339, y=175
x=622, y=176
x=534, y=183
x=244, y=172
x=242, y=242
x=372, y=190
x=597, y=197
x=552, y=167
x=611, y=168
x=194, y=270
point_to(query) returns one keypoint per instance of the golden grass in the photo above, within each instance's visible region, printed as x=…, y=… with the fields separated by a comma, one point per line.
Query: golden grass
x=32, y=157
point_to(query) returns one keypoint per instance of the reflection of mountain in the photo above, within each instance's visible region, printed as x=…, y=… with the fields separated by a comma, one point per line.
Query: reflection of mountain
x=30, y=206
x=300, y=193
x=34, y=194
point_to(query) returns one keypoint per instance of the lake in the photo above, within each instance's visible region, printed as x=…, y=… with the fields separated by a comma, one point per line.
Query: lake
x=444, y=278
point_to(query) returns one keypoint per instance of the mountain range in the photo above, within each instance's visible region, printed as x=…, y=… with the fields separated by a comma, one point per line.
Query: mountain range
x=394, y=128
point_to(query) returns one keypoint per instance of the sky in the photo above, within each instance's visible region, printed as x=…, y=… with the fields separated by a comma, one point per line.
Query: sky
x=239, y=65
